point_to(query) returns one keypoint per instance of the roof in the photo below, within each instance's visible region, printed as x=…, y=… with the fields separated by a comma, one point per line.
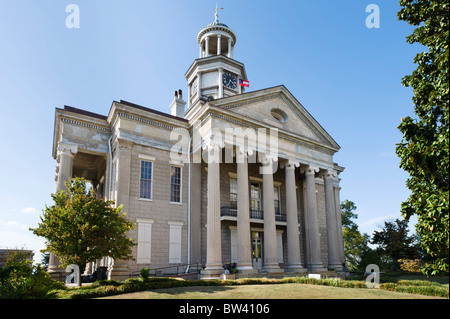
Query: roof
x=104, y=117
x=217, y=23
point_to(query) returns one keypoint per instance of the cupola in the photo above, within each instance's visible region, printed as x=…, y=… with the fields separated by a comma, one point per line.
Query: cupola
x=216, y=39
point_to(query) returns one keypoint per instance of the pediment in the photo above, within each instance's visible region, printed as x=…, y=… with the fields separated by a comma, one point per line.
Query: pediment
x=277, y=107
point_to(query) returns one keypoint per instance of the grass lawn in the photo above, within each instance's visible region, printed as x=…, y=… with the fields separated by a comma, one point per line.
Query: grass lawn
x=275, y=291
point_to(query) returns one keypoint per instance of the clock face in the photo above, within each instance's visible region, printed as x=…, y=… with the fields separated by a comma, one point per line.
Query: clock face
x=194, y=87
x=229, y=80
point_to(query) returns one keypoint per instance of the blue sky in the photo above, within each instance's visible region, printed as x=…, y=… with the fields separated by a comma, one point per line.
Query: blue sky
x=346, y=75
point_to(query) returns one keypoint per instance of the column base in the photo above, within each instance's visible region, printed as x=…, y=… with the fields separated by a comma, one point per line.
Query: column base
x=317, y=268
x=119, y=273
x=247, y=270
x=212, y=270
x=295, y=268
x=272, y=268
x=58, y=273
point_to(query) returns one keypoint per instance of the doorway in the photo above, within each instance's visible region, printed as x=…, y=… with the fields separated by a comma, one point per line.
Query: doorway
x=257, y=250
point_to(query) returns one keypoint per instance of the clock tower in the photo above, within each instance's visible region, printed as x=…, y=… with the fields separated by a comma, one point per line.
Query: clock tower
x=215, y=74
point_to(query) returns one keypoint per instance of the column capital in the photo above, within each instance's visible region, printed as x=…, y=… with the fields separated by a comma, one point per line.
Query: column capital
x=328, y=174
x=67, y=149
x=244, y=151
x=212, y=144
x=290, y=164
x=309, y=170
x=267, y=158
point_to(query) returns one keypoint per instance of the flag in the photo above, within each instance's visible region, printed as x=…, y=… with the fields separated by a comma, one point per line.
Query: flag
x=242, y=82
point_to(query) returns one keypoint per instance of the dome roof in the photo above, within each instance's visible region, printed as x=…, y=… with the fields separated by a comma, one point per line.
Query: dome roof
x=217, y=23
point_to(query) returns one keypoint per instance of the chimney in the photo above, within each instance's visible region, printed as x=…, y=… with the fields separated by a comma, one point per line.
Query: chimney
x=178, y=104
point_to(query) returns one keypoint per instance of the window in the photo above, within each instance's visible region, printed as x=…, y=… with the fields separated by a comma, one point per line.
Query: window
x=175, y=184
x=146, y=180
x=255, y=194
x=233, y=193
x=276, y=198
x=279, y=115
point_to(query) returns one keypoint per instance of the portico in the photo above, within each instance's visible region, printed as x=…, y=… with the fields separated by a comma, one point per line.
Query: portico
x=281, y=248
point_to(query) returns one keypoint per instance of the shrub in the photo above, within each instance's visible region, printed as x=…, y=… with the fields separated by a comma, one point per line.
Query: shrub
x=21, y=280
x=145, y=273
x=413, y=265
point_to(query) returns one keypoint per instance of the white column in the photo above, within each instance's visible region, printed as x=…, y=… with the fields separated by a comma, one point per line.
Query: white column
x=293, y=239
x=66, y=154
x=199, y=84
x=200, y=51
x=207, y=46
x=65, y=157
x=270, y=235
x=229, y=48
x=313, y=237
x=213, y=232
x=332, y=230
x=244, y=264
x=219, y=44
x=220, y=83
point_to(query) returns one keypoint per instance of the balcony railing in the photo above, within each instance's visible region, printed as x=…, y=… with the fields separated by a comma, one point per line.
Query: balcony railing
x=254, y=214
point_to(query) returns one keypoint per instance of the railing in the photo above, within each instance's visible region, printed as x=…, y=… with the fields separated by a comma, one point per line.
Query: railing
x=254, y=214
x=174, y=270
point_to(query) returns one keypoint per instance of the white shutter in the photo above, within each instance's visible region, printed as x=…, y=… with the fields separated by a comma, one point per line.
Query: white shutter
x=144, y=247
x=175, y=242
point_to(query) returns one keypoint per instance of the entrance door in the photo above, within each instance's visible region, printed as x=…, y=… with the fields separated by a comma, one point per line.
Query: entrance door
x=257, y=256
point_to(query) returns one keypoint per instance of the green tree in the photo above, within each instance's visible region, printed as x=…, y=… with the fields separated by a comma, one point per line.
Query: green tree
x=394, y=243
x=424, y=149
x=355, y=243
x=81, y=227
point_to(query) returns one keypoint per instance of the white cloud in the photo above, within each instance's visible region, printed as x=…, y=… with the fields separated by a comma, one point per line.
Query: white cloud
x=14, y=224
x=377, y=220
x=29, y=210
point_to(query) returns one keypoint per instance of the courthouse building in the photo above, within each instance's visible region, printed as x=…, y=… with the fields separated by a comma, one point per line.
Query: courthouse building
x=227, y=176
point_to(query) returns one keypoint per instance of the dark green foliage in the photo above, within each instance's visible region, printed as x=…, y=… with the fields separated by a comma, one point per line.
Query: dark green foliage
x=424, y=149
x=20, y=280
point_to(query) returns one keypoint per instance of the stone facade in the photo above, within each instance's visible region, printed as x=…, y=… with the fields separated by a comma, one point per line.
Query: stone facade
x=269, y=203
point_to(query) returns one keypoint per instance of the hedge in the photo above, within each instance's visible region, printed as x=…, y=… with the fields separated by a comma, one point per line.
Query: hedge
x=110, y=287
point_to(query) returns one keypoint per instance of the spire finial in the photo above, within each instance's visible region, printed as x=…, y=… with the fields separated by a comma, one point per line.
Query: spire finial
x=217, y=13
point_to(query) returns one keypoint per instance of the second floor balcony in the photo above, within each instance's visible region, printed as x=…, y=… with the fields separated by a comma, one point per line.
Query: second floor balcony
x=256, y=216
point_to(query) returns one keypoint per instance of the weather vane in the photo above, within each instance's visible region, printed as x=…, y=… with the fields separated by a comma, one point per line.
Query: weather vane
x=217, y=12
